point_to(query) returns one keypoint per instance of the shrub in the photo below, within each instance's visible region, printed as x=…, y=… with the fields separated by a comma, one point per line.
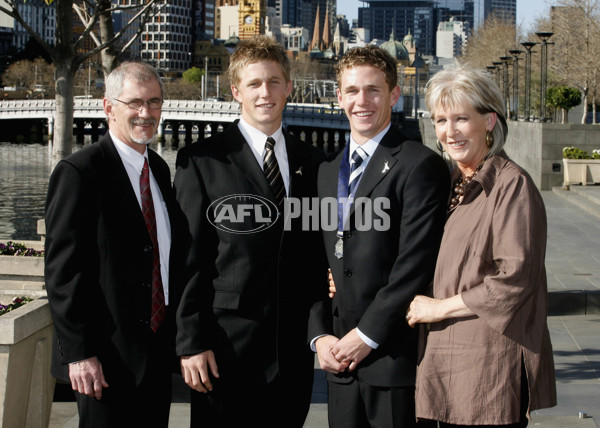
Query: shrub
x=576, y=153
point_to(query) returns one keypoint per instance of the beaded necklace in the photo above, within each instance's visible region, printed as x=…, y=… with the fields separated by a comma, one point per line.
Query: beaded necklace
x=458, y=190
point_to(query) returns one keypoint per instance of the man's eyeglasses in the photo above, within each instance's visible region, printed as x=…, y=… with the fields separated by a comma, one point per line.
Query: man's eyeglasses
x=137, y=104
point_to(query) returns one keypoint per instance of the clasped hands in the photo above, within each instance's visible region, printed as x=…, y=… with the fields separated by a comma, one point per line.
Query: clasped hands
x=338, y=355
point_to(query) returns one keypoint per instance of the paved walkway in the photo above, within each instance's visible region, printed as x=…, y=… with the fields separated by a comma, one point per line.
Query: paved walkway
x=573, y=267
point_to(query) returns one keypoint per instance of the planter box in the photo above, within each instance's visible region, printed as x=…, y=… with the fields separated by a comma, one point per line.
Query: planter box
x=26, y=386
x=21, y=273
x=582, y=171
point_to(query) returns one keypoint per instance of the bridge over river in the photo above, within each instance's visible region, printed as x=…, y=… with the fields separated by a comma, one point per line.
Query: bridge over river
x=323, y=125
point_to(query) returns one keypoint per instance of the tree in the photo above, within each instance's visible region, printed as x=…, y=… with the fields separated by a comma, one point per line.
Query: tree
x=101, y=14
x=576, y=50
x=67, y=56
x=28, y=75
x=193, y=75
x=490, y=41
x=564, y=98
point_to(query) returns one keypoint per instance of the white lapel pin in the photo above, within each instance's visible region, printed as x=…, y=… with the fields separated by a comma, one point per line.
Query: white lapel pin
x=386, y=167
x=299, y=171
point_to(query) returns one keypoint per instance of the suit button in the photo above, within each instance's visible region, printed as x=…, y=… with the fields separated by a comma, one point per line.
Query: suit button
x=347, y=272
x=347, y=234
x=146, y=284
x=148, y=249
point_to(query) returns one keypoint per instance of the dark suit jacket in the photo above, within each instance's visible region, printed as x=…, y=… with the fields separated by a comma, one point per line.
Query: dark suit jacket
x=99, y=260
x=247, y=295
x=381, y=271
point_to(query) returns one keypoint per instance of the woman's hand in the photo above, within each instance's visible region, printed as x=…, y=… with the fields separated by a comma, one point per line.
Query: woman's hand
x=332, y=289
x=425, y=309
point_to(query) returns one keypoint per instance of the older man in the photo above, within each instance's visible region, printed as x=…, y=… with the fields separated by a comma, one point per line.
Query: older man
x=112, y=221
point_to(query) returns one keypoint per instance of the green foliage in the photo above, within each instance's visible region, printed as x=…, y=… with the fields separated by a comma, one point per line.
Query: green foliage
x=564, y=97
x=193, y=75
x=576, y=153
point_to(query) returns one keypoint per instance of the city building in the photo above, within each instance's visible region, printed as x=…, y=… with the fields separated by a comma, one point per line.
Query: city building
x=451, y=38
x=475, y=12
x=417, y=17
x=37, y=15
x=295, y=39
x=309, y=13
x=252, y=18
x=166, y=41
x=273, y=24
x=228, y=21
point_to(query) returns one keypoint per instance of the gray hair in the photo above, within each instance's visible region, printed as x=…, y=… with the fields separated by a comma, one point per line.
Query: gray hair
x=134, y=70
x=471, y=86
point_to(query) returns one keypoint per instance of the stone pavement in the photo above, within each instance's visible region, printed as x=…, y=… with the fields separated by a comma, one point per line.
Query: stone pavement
x=573, y=267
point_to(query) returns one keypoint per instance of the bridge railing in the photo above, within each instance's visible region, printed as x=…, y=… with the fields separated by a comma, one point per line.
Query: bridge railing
x=319, y=115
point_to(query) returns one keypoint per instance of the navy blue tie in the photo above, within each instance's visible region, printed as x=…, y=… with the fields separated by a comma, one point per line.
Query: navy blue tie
x=358, y=157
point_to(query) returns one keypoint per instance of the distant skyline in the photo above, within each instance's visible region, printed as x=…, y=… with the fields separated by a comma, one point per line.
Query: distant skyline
x=527, y=10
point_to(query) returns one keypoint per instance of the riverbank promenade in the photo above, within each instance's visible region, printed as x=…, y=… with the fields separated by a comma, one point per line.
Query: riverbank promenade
x=573, y=267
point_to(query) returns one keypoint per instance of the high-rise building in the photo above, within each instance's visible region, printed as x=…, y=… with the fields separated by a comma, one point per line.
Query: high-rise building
x=40, y=17
x=475, y=12
x=416, y=17
x=166, y=41
x=451, y=37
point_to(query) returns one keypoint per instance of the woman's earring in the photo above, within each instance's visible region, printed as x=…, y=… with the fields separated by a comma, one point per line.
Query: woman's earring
x=489, y=138
x=439, y=146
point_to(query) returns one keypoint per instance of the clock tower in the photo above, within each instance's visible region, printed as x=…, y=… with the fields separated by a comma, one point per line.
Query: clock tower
x=252, y=17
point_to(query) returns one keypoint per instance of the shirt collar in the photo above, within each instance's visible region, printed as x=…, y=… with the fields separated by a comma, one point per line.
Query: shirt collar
x=128, y=154
x=370, y=145
x=489, y=172
x=258, y=138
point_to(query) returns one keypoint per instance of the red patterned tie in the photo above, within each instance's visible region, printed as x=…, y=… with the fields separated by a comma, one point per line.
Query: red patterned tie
x=158, y=297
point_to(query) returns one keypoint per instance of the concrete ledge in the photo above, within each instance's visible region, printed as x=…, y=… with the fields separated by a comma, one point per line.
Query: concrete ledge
x=26, y=386
x=21, y=273
x=574, y=302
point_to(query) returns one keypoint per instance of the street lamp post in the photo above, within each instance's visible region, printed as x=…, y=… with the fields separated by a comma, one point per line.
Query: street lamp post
x=544, y=36
x=205, y=86
x=492, y=70
x=515, y=54
x=505, y=61
x=528, y=46
x=498, y=65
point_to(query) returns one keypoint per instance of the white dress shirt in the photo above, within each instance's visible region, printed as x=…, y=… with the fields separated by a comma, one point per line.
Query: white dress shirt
x=369, y=147
x=133, y=162
x=257, y=140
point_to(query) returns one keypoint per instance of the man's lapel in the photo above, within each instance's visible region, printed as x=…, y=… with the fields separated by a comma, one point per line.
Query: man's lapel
x=117, y=179
x=381, y=163
x=241, y=155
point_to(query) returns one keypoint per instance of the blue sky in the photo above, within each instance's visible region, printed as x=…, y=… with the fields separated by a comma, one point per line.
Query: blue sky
x=527, y=10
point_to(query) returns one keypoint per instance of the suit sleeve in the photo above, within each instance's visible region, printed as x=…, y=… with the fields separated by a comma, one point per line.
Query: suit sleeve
x=423, y=196
x=195, y=321
x=71, y=269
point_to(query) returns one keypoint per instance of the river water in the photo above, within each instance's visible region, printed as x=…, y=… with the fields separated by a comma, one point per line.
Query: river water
x=24, y=174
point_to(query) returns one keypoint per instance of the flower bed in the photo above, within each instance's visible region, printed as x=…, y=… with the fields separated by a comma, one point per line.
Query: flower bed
x=16, y=249
x=17, y=302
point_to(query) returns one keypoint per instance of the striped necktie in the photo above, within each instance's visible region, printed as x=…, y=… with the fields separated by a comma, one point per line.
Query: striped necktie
x=358, y=158
x=272, y=172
